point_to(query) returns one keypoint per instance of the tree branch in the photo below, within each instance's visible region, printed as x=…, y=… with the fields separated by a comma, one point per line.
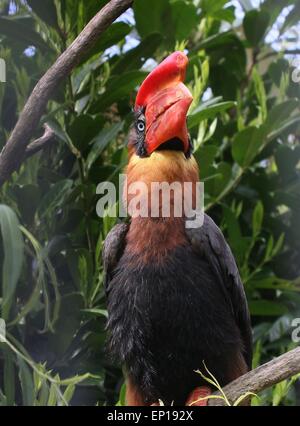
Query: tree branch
x=263, y=377
x=275, y=52
x=13, y=152
x=40, y=143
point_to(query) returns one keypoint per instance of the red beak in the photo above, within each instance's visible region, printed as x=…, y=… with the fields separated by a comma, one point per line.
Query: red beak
x=166, y=101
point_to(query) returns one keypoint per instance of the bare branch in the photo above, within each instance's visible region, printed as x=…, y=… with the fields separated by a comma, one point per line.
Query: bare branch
x=263, y=377
x=275, y=52
x=14, y=150
x=40, y=143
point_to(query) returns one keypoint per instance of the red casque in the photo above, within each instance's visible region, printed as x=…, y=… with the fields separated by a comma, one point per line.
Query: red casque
x=167, y=101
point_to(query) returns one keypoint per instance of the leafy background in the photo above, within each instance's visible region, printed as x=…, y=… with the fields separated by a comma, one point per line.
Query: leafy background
x=245, y=125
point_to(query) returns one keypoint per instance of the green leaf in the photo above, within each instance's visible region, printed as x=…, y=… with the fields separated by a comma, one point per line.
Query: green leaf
x=75, y=380
x=54, y=198
x=43, y=394
x=278, y=69
x=287, y=159
x=46, y=10
x=208, y=110
x=293, y=18
x=101, y=141
x=69, y=392
x=13, y=247
x=85, y=270
x=282, y=111
x=237, y=242
x=80, y=267
x=255, y=25
x=118, y=88
x=9, y=377
x=21, y=30
x=26, y=381
x=150, y=16
x=279, y=392
x=184, y=17
x=53, y=396
x=112, y=36
x=67, y=324
x=218, y=41
x=281, y=116
x=32, y=301
x=260, y=93
x=3, y=399
x=216, y=10
x=269, y=248
x=227, y=14
x=246, y=146
x=97, y=312
x=122, y=396
x=285, y=126
x=267, y=308
x=274, y=8
x=136, y=57
x=232, y=225
x=23, y=193
x=257, y=219
x=83, y=129
x=220, y=178
x=278, y=245
x=205, y=156
x=62, y=135
x=256, y=355
x=211, y=7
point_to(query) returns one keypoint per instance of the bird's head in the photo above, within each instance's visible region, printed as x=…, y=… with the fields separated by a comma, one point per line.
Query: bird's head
x=159, y=143
x=161, y=110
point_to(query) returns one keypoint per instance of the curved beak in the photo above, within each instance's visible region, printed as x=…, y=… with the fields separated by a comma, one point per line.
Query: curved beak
x=166, y=101
x=166, y=117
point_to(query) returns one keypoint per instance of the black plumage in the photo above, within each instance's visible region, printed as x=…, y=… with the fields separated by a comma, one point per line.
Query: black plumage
x=166, y=318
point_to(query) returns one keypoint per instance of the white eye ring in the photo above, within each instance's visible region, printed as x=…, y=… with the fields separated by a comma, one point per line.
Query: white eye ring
x=141, y=126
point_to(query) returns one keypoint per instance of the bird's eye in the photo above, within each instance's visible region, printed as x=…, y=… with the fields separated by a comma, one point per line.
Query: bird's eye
x=140, y=126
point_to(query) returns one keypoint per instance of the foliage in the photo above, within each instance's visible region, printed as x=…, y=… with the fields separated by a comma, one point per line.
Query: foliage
x=210, y=378
x=245, y=126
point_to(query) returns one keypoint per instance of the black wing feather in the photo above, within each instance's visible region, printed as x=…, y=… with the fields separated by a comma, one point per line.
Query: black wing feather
x=113, y=249
x=209, y=242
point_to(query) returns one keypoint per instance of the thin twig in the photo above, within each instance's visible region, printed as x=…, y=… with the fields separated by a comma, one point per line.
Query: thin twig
x=40, y=143
x=13, y=152
x=276, y=52
x=263, y=377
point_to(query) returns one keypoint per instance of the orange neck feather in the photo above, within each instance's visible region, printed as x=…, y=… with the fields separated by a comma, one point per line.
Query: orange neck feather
x=154, y=237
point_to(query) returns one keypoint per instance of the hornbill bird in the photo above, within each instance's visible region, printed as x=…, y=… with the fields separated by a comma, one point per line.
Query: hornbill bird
x=175, y=297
